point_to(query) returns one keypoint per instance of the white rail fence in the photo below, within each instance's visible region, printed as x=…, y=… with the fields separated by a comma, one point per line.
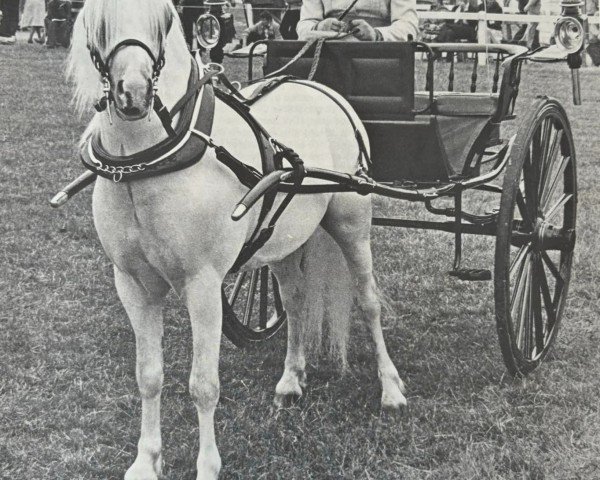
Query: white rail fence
x=546, y=22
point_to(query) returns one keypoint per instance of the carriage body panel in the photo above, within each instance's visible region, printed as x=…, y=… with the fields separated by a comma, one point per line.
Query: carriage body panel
x=416, y=136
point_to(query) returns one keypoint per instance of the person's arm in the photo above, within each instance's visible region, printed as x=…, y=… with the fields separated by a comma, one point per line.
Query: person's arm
x=531, y=5
x=252, y=29
x=404, y=21
x=311, y=14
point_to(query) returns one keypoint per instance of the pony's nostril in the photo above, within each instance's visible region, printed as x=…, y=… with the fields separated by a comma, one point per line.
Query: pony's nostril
x=120, y=87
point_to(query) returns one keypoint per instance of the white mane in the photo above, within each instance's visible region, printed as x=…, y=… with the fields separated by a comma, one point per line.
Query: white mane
x=100, y=25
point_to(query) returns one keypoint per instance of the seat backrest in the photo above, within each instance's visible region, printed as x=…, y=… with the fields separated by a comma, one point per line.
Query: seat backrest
x=377, y=78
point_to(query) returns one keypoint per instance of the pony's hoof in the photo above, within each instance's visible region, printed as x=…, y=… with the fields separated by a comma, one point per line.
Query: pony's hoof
x=144, y=470
x=395, y=406
x=141, y=472
x=286, y=400
x=392, y=398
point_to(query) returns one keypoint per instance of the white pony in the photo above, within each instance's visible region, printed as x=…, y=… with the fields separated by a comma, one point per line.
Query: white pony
x=174, y=231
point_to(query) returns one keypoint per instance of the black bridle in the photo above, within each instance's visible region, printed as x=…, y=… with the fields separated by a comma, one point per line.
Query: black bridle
x=158, y=62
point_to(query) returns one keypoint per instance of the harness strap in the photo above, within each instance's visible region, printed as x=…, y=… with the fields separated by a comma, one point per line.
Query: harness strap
x=363, y=156
x=268, y=87
x=247, y=175
x=164, y=116
x=260, y=236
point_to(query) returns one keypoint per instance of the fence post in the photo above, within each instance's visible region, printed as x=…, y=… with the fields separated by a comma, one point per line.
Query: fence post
x=482, y=37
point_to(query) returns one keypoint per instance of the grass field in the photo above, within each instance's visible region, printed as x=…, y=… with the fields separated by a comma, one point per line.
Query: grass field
x=69, y=407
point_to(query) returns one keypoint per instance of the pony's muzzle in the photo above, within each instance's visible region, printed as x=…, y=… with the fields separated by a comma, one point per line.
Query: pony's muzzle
x=133, y=97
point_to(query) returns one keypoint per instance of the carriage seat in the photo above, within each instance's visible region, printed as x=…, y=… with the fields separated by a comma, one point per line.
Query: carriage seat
x=459, y=104
x=377, y=79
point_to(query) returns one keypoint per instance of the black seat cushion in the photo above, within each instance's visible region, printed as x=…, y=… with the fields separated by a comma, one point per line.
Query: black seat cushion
x=376, y=78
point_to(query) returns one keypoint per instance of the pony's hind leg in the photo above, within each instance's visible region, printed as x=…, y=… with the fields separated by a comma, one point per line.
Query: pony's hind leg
x=144, y=308
x=293, y=295
x=348, y=221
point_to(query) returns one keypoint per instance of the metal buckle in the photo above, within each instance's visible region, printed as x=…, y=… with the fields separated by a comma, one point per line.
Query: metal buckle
x=216, y=67
x=106, y=90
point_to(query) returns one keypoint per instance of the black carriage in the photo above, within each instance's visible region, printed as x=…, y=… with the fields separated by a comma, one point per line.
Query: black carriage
x=434, y=144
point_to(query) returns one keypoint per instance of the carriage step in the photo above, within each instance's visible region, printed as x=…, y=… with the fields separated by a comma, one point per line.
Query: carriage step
x=471, y=274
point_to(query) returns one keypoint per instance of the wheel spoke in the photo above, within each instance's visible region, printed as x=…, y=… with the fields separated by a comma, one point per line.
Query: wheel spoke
x=554, y=181
x=250, y=298
x=529, y=171
x=524, y=311
x=518, y=259
x=239, y=280
x=561, y=202
x=522, y=205
x=549, y=163
x=264, y=298
x=537, y=307
x=546, y=295
x=555, y=272
x=520, y=264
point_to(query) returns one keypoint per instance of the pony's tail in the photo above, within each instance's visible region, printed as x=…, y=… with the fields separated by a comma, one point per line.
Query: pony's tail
x=329, y=297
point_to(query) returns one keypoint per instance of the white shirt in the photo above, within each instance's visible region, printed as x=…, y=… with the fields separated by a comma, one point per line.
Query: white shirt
x=395, y=19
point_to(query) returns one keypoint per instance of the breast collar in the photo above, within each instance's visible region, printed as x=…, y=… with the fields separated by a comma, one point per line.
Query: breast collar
x=176, y=152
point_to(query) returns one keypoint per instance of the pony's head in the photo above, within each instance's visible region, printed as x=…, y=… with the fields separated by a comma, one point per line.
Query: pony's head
x=121, y=44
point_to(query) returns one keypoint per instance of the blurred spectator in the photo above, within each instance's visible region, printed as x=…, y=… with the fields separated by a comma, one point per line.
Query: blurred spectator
x=59, y=23
x=227, y=28
x=290, y=19
x=455, y=31
x=431, y=28
x=366, y=20
x=494, y=30
x=265, y=29
x=34, y=14
x=510, y=6
x=9, y=22
x=189, y=11
x=593, y=48
x=533, y=7
x=274, y=7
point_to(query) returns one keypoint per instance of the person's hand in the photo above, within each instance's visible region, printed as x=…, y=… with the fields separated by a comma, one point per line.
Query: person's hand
x=362, y=30
x=332, y=25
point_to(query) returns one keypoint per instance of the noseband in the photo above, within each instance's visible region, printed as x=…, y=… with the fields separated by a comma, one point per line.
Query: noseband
x=157, y=64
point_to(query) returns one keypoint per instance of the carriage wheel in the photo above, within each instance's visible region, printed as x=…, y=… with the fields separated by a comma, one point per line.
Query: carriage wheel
x=535, y=237
x=252, y=308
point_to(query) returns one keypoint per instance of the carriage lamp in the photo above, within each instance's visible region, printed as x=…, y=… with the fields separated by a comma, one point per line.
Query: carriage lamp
x=208, y=31
x=570, y=35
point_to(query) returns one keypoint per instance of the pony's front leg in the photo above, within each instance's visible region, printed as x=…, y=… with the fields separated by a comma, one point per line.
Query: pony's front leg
x=293, y=295
x=144, y=308
x=203, y=298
